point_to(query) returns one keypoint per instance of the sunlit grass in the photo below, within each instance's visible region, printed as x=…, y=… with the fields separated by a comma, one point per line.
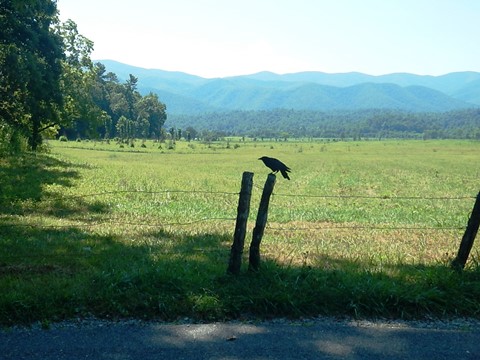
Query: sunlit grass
x=363, y=228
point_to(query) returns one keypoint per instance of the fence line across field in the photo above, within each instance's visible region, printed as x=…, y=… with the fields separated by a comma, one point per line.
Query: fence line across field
x=382, y=197
x=113, y=192
x=202, y=220
x=365, y=227
x=243, y=215
x=100, y=223
x=210, y=192
x=326, y=196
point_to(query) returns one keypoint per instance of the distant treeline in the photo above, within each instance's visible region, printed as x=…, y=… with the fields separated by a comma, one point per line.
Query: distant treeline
x=375, y=123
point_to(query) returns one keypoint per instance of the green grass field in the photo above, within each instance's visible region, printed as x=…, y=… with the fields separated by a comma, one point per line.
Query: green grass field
x=365, y=229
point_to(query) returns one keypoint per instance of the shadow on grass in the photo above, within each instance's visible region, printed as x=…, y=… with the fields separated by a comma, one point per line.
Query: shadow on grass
x=56, y=274
x=24, y=177
x=50, y=274
x=23, y=182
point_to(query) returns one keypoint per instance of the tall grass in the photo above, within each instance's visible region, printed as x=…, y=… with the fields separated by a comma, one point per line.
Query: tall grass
x=363, y=229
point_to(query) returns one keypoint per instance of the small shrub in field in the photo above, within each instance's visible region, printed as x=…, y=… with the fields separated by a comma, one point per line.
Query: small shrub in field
x=63, y=138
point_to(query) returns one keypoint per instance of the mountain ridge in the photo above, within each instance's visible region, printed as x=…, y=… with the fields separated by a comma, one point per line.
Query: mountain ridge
x=190, y=94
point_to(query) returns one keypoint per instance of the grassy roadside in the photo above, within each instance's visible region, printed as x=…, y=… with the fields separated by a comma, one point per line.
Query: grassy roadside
x=142, y=253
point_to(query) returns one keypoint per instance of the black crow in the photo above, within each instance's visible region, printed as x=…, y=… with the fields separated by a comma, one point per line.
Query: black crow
x=276, y=165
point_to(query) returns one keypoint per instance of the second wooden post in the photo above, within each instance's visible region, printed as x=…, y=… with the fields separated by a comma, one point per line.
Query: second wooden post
x=254, y=259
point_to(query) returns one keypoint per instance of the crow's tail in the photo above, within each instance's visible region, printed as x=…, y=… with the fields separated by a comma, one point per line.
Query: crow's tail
x=284, y=173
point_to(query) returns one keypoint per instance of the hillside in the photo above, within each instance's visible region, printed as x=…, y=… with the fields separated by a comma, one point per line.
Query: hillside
x=189, y=94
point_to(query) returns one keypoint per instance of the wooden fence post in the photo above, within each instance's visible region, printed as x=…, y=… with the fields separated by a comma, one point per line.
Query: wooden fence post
x=243, y=210
x=254, y=259
x=468, y=237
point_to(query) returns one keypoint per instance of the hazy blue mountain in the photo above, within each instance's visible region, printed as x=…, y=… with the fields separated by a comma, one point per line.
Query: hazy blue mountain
x=449, y=83
x=175, y=102
x=188, y=94
x=174, y=81
x=469, y=93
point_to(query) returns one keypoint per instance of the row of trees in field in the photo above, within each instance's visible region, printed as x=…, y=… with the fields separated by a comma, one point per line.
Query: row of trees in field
x=373, y=123
x=49, y=85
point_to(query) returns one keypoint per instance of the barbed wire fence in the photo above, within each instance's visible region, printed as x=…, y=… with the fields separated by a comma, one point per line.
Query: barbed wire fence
x=8, y=220
x=114, y=221
x=239, y=236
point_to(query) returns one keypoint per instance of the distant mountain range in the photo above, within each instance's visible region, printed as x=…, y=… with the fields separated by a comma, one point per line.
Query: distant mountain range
x=189, y=94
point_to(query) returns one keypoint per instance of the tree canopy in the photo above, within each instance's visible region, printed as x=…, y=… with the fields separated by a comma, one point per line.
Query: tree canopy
x=31, y=56
x=48, y=82
x=372, y=123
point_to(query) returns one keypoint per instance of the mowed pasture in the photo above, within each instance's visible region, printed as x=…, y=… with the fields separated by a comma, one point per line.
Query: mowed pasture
x=365, y=229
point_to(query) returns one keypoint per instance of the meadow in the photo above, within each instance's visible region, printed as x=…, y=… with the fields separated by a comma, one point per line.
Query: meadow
x=363, y=229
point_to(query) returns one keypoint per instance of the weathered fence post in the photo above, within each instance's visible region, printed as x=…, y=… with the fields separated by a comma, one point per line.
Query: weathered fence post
x=468, y=237
x=243, y=210
x=254, y=258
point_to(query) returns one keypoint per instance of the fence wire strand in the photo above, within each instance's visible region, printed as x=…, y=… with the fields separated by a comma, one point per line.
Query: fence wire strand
x=382, y=197
x=100, y=223
x=226, y=193
x=114, y=192
x=366, y=227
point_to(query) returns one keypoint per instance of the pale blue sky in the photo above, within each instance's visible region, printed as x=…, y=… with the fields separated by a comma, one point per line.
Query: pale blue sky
x=217, y=38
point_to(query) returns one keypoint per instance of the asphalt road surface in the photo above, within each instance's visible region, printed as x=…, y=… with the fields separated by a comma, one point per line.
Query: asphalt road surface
x=307, y=339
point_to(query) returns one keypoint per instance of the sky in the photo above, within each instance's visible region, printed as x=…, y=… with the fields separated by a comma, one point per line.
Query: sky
x=220, y=38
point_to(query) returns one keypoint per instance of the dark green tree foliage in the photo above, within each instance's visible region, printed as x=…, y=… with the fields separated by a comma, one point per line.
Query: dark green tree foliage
x=124, y=128
x=31, y=57
x=48, y=82
x=125, y=113
x=374, y=123
x=149, y=108
x=131, y=95
x=80, y=111
x=191, y=133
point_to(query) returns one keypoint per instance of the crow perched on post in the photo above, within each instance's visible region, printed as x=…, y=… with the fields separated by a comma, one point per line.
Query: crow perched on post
x=276, y=165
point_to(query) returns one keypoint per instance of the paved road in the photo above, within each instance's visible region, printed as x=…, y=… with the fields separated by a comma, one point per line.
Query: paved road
x=319, y=339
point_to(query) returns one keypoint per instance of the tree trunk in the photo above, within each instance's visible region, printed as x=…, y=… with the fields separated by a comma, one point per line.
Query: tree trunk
x=35, y=138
